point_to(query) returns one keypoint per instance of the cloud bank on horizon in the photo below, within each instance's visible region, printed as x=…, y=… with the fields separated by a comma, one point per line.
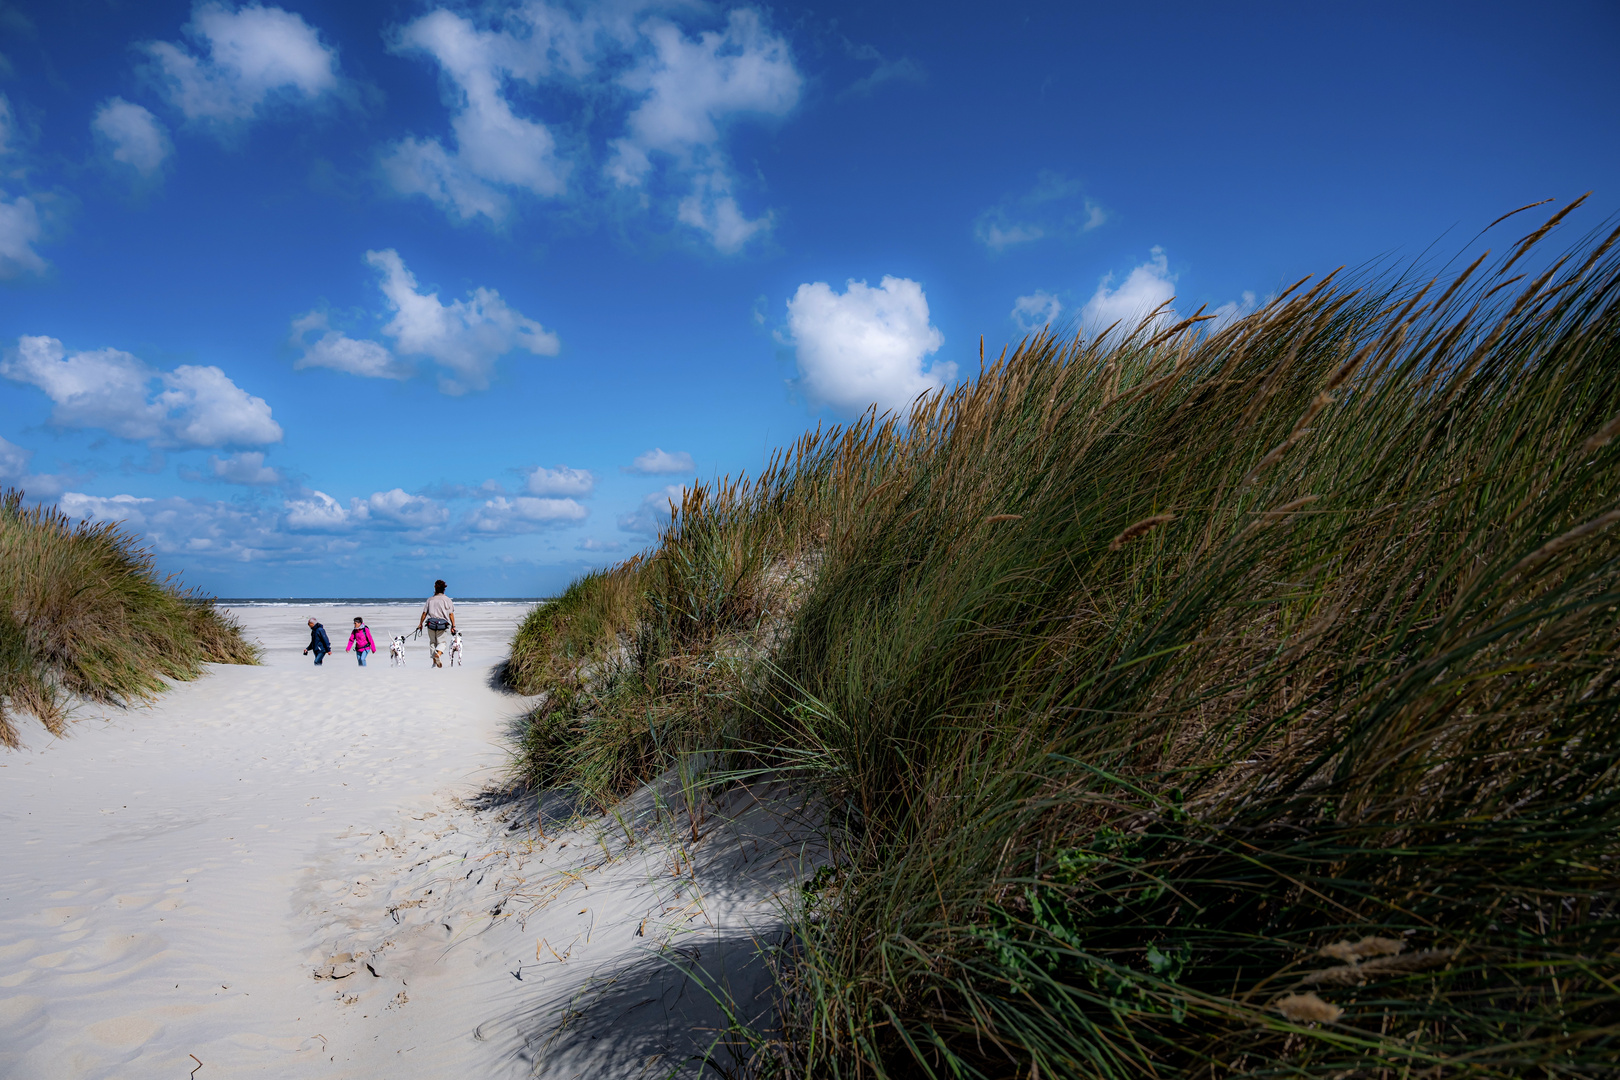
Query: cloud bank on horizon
x=315, y=297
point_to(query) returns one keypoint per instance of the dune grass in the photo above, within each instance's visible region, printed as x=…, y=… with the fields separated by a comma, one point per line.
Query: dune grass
x=84, y=616
x=1187, y=702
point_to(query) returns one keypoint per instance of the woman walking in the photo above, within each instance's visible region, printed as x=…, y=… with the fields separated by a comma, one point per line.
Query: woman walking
x=360, y=640
x=439, y=613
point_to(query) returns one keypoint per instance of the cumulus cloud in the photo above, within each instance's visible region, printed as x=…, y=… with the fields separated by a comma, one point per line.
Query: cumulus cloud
x=524, y=513
x=19, y=232
x=316, y=511
x=190, y=406
x=398, y=509
x=690, y=87
x=240, y=61
x=1055, y=207
x=199, y=528
x=340, y=352
x=654, y=511
x=683, y=90
x=319, y=512
x=658, y=461
x=465, y=337
x=1040, y=308
x=593, y=544
x=131, y=135
x=495, y=148
x=1146, y=289
x=865, y=346
x=247, y=467
x=559, y=481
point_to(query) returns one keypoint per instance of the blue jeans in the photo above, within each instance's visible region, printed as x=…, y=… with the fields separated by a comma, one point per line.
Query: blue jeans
x=320, y=654
x=361, y=656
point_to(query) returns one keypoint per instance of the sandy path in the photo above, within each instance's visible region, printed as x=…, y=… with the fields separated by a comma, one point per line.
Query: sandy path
x=150, y=865
x=284, y=872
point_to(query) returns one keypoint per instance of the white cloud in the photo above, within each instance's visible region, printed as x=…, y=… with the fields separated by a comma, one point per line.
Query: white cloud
x=319, y=512
x=1038, y=309
x=684, y=91
x=866, y=346
x=711, y=209
x=465, y=337
x=19, y=217
x=203, y=407
x=336, y=350
x=199, y=528
x=132, y=135
x=691, y=87
x=316, y=511
x=1148, y=287
x=524, y=513
x=247, y=467
x=559, y=481
x=659, y=461
x=397, y=508
x=19, y=231
x=593, y=544
x=494, y=147
x=244, y=59
x=1055, y=206
x=13, y=461
x=655, y=511
x=1232, y=310
x=109, y=389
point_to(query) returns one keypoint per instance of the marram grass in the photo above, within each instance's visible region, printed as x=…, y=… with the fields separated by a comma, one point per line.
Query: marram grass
x=1188, y=703
x=84, y=616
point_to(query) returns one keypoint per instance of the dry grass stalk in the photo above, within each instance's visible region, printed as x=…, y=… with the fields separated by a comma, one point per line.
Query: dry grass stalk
x=1139, y=530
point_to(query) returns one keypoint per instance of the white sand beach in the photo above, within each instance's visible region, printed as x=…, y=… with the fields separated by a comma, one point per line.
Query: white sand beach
x=297, y=871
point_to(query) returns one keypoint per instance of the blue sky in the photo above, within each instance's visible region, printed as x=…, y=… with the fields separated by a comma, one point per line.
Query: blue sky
x=333, y=299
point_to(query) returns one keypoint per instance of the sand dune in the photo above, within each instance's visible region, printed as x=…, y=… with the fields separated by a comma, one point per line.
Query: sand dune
x=291, y=871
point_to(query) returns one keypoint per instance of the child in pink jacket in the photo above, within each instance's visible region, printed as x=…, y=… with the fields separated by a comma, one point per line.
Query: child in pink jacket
x=360, y=640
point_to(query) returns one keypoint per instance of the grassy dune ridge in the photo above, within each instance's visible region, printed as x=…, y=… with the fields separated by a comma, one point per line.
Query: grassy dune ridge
x=84, y=615
x=1198, y=702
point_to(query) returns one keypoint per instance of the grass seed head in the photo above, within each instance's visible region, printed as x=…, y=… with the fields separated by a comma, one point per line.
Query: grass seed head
x=1139, y=530
x=1307, y=1008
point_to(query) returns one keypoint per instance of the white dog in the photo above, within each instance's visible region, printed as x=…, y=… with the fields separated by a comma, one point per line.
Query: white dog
x=438, y=654
x=455, y=648
x=396, y=651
